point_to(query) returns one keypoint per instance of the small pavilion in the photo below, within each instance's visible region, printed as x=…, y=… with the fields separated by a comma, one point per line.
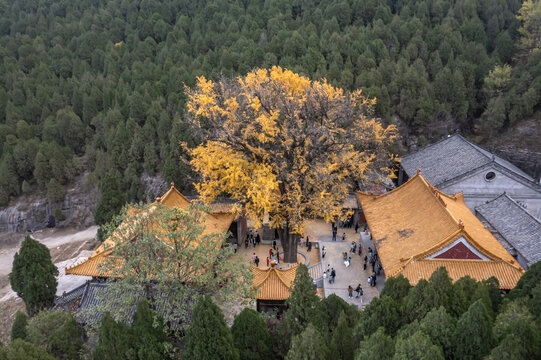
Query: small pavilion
x=273, y=287
x=417, y=229
x=218, y=221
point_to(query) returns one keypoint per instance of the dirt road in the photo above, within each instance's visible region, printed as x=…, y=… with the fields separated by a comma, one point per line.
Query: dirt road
x=54, y=240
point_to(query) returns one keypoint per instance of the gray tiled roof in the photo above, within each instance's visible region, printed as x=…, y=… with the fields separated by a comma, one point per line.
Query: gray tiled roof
x=516, y=225
x=451, y=157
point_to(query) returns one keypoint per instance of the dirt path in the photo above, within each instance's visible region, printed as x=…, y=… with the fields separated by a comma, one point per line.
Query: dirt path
x=54, y=240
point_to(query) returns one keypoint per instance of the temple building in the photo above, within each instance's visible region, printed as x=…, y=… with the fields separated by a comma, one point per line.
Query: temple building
x=220, y=220
x=273, y=287
x=516, y=229
x=455, y=164
x=417, y=229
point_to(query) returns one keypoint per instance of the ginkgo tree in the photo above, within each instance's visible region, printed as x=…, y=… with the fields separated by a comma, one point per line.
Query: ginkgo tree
x=286, y=147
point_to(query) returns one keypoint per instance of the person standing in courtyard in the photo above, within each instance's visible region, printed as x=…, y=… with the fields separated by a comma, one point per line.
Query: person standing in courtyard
x=257, y=261
x=350, y=291
x=359, y=291
x=268, y=261
x=253, y=257
x=323, y=252
x=274, y=244
x=344, y=237
x=235, y=245
x=364, y=262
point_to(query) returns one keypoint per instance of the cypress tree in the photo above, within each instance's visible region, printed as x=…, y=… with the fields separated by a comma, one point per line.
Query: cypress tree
x=33, y=276
x=342, y=339
x=397, y=287
x=208, y=336
x=149, y=339
x=473, y=337
x=301, y=308
x=18, y=330
x=251, y=336
x=115, y=341
x=378, y=343
x=328, y=311
x=439, y=326
x=111, y=200
x=418, y=346
x=66, y=341
x=308, y=345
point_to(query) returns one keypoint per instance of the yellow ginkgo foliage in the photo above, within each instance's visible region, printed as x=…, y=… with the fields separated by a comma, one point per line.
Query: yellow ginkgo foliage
x=285, y=146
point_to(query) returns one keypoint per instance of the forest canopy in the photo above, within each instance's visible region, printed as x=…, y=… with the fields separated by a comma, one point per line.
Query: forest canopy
x=97, y=86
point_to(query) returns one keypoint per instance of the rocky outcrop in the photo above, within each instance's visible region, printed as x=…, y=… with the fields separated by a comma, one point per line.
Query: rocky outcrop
x=33, y=211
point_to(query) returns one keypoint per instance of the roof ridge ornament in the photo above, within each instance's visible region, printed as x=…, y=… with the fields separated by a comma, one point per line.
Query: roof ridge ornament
x=172, y=184
x=418, y=171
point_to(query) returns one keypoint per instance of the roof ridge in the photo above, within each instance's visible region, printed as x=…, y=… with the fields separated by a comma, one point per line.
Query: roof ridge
x=517, y=205
x=448, y=136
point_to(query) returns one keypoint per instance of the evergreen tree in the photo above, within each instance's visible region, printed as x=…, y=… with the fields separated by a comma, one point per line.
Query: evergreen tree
x=328, y=311
x=251, y=336
x=342, y=340
x=148, y=333
x=33, y=275
x=208, y=336
x=308, y=345
x=517, y=334
x=58, y=332
x=381, y=312
x=111, y=200
x=377, y=343
x=301, y=308
x=397, y=287
x=473, y=337
x=528, y=281
x=418, y=346
x=115, y=341
x=18, y=330
x=440, y=327
x=22, y=350
x=67, y=341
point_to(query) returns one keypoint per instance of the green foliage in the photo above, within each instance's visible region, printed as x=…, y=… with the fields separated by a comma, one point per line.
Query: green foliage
x=18, y=329
x=175, y=256
x=111, y=201
x=56, y=331
x=115, y=341
x=377, y=343
x=381, y=312
x=79, y=73
x=149, y=333
x=251, y=336
x=342, y=340
x=55, y=191
x=473, y=337
x=396, y=287
x=208, y=336
x=308, y=345
x=417, y=346
x=301, y=307
x=440, y=327
x=33, y=275
x=59, y=215
x=528, y=281
x=328, y=311
x=22, y=350
x=518, y=335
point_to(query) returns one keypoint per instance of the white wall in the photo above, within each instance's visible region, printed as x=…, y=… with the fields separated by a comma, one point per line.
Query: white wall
x=477, y=190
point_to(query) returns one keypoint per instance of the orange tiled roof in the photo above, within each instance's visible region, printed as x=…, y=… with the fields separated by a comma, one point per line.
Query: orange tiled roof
x=215, y=223
x=416, y=220
x=273, y=283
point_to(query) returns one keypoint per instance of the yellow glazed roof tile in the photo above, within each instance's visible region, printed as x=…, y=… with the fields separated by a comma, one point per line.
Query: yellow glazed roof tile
x=273, y=283
x=215, y=223
x=416, y=220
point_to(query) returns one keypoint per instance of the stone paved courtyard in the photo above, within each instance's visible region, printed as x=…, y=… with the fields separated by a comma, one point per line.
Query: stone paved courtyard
x=320, y=231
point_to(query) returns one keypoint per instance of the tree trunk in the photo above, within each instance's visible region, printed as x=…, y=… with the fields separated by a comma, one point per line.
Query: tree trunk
x=289, y=243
